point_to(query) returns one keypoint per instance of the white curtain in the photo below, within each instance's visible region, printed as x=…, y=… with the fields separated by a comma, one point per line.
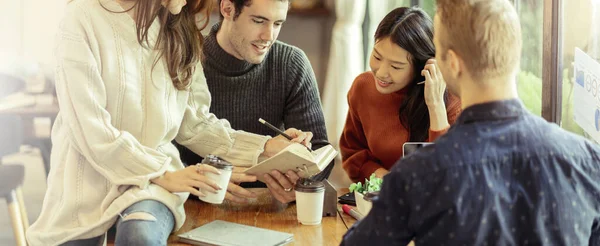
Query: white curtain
x=377, y=10
x=594, y=49
x=346, y=61
x=28, y=30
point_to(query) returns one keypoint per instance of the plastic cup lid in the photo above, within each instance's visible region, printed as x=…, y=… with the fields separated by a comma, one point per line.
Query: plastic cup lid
x=217, y=162
x=309, y=186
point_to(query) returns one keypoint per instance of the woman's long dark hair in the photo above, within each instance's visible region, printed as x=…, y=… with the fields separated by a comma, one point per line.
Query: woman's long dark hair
x=412, y=30
x=179, y=39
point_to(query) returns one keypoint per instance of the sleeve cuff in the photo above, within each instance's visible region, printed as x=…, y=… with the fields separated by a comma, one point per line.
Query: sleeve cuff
x=145, y=181
x=246, y=149
x=433, y=134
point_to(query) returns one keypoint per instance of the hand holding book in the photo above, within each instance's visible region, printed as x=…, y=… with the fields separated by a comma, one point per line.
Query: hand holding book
x=295, y=157
x=278, y=143
x=281, y=185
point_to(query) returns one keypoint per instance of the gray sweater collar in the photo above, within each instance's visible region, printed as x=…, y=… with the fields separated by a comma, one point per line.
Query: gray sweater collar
x=217, y=58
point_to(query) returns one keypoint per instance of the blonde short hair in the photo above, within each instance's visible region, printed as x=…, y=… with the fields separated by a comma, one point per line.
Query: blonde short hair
x=486, y=34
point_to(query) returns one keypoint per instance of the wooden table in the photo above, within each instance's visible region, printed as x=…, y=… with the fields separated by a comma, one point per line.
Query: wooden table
x=28, y=113
x=265, y=213
x=348, y=220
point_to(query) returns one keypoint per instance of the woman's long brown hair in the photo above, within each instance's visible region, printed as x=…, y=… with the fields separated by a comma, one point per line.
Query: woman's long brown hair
x=179, y=39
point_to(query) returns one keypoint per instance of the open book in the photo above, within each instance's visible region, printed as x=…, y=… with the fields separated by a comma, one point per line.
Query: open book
x=296, y=157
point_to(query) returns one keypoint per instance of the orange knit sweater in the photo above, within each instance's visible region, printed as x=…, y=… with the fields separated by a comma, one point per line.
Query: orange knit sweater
x=373, y=135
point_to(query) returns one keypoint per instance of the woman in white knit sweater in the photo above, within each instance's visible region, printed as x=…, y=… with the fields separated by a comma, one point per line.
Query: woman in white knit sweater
x=129, y=81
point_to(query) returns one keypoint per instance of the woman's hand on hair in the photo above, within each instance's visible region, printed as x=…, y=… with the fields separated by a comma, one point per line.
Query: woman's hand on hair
x=435, y=88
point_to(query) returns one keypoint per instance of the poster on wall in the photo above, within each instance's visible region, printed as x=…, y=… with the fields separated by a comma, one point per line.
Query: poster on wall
x=586, y=94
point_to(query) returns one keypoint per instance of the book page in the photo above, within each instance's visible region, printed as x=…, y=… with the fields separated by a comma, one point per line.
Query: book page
x=319, y=153
x=324, y=155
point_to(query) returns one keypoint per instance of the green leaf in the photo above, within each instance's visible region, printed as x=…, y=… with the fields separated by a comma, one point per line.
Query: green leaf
x=372, y=184
x=373, y=176
x=353, y=187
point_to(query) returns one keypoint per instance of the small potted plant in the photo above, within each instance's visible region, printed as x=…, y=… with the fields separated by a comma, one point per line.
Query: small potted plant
x=371, y=185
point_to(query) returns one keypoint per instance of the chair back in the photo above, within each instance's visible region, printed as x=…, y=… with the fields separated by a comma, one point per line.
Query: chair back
x=11, y=177
x=11, y=134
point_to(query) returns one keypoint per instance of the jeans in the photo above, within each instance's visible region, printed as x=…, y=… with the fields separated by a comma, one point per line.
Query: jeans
x=147, y=222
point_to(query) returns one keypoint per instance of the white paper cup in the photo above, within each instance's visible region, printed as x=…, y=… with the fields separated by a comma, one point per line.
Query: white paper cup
x=220, y=179
x=309, y=202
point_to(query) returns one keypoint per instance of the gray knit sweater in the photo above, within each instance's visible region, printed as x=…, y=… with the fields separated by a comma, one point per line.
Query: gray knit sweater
x=282, y=90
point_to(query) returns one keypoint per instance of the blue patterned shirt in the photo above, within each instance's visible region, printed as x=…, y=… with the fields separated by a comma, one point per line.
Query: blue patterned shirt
x=500, y=176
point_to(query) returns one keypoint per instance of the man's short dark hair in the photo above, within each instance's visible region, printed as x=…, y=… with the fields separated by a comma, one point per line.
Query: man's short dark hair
x=239, y=5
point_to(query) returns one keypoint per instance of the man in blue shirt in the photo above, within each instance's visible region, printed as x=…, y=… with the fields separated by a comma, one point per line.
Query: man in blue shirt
x=500, y=176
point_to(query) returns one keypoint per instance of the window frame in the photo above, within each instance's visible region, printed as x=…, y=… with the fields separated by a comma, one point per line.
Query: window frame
x=552, y=62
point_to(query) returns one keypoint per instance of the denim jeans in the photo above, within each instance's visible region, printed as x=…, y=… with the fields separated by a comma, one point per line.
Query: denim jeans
x=136, y=230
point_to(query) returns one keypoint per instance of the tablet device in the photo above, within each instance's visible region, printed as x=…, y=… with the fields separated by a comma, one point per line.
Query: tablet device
x=224, y=233
x=410, y=147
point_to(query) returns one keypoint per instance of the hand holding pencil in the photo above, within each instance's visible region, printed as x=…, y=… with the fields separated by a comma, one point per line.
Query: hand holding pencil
x=284, y=139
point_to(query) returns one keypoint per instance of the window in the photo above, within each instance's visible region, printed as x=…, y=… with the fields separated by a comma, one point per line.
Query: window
x=429, y=7
x=529, y=79
x=580, y=30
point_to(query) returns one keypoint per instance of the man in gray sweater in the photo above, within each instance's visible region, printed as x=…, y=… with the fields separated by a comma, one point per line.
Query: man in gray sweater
x=251, y=75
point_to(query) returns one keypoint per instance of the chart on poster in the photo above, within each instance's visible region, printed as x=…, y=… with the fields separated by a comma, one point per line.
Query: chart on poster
x=586, y=94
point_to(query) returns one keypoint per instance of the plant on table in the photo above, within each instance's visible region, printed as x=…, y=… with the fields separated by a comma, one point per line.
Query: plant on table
x=371, y=184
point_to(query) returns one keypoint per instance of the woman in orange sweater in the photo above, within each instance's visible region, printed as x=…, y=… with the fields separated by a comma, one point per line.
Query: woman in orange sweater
x=389, y=105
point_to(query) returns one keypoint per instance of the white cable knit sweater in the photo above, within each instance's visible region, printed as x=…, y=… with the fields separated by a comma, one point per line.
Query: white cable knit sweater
x=115, y=126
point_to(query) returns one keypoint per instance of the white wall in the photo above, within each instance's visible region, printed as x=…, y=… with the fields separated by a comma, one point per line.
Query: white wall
x=28, y=28
x=10, y=28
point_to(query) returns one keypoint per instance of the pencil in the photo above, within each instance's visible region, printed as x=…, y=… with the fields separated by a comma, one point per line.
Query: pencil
x=264, y=122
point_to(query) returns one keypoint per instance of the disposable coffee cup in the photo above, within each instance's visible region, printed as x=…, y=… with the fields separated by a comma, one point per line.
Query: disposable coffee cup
x=309, y=201
x=220, y=179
